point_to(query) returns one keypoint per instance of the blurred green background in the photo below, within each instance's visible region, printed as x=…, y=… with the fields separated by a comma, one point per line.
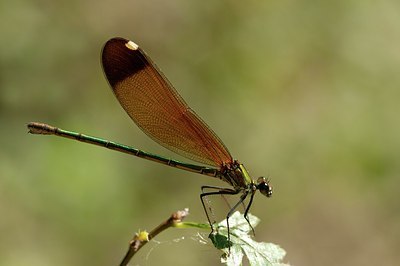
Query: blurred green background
x=306, y=92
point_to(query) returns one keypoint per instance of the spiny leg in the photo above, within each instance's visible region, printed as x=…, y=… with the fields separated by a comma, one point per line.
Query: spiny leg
x=221, y=191
x=242, y=198
x=247, y=211
x=203, y=188
x=210, y=212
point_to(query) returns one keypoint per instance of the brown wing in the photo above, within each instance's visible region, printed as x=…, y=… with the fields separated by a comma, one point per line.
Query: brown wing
x=156, y=107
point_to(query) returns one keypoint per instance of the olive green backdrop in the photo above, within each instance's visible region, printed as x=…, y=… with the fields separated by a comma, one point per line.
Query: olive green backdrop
x=305, y=92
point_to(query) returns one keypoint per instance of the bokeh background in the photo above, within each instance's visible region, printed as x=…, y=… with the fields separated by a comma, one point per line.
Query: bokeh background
x=305, y=92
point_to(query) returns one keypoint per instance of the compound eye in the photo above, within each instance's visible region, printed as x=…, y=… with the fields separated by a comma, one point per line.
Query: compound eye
x=264, y=187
